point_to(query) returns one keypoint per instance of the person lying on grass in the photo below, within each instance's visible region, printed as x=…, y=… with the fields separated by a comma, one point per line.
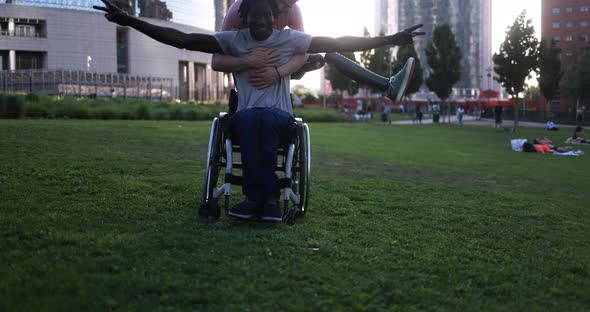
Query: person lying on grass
x=545, y=148
x=263, y=115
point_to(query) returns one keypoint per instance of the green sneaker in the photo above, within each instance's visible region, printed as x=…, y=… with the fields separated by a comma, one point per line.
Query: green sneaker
x=399, y=82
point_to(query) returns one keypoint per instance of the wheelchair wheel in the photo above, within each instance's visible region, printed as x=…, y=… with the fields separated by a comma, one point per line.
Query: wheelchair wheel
x=210, y=206
x=304, y=165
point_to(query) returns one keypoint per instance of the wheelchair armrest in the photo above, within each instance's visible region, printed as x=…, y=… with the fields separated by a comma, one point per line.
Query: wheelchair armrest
x=233, y=102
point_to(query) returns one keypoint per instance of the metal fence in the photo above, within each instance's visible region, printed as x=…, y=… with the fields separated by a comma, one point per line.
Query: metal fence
x=86, y=84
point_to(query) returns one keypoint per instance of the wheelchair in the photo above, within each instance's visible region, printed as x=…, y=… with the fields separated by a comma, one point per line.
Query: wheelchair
x=294, y=164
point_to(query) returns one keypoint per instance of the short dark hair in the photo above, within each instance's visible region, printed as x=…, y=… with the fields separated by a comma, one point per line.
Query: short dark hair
x=247, y=5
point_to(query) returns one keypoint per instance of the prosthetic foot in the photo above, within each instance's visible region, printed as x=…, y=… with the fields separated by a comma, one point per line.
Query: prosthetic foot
x=399, y=82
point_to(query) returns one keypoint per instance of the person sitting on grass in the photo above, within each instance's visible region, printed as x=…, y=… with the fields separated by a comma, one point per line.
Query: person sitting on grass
x=578, y=136
x=551, y=126
x=264, y=115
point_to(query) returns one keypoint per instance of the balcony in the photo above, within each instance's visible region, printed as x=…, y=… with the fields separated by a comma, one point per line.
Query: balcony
x=23, y=27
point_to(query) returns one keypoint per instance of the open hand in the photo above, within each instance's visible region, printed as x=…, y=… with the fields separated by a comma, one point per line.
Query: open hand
x=262, y=57
x=407, y=35
x=113, y=13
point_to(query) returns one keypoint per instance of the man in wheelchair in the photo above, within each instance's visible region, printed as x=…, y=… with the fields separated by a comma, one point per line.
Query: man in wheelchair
x=264, y=115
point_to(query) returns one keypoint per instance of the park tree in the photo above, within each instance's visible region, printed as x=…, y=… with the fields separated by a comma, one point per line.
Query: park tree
x=380, y=62
x=366, y=55
x=402, y=56
x=517, y=58
x=550, y=72
x=444, y=58
x=582, y=85
x=339, y=81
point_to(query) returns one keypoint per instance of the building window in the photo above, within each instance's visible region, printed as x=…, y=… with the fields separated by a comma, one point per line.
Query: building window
x=584, y=8
x=122, y=50
x=556, y=10
x=569, y=24
x=584, y=24
x=556, y=38
x=569, y=9
x=29, y=60
x=569, y=38
x=25, y=31
x=556, y=25
x=584, y=38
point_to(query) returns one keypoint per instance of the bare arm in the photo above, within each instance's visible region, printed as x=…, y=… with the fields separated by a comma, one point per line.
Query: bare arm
x=169, y=36
x=351, y=44
x=261, y=57
x=267, y=76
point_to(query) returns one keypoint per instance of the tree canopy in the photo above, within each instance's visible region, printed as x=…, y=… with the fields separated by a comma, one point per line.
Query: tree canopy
x=517, y=58
x=338, y=80
x=403, y=54
x=444, y=58
x=550, y=72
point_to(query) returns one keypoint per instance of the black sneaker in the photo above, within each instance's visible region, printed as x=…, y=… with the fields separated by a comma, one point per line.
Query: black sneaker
x=245, y=210
x=272, y=211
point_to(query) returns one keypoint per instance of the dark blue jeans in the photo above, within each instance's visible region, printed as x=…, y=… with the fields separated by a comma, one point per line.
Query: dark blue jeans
x=259, y=132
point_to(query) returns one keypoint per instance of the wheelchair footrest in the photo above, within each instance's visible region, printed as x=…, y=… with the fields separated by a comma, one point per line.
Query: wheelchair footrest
x=237, y=180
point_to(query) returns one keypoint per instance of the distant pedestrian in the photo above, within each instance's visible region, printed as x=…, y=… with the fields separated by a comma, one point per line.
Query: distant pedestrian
x=498, y=115
x=419, y=115
x=460, y=113
x=579, y=114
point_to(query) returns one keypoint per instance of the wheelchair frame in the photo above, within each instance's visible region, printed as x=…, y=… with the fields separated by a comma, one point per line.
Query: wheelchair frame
x=294, y=161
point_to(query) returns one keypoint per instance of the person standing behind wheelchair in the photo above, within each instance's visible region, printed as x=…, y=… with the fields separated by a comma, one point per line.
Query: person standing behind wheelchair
x=263, y=60
x=263, y=115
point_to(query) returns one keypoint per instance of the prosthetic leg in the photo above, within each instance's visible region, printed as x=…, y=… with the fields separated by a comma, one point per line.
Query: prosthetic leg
x=394, y=87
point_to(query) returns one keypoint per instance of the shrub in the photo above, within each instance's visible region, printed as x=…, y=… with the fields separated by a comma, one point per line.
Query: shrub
x=142, y=112
x=36, y=110
x=32, y=98
x=14, y=106
x=191, y=114
x=104, y=112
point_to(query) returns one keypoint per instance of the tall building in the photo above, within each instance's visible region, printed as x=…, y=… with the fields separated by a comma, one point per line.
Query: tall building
x=567, y=23
x=470, y=21
x=70, y=35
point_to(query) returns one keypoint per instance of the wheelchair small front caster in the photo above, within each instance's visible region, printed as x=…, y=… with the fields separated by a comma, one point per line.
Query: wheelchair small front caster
x=210, y=209
x=290, y=217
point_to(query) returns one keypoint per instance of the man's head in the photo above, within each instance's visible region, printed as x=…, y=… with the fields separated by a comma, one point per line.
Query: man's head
x=258, y=15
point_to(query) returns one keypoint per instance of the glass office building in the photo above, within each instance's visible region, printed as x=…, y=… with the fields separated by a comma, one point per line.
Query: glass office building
x=196, y=13
x=470, y=21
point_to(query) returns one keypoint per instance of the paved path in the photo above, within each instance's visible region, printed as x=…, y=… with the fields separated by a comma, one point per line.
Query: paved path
x=470, y=120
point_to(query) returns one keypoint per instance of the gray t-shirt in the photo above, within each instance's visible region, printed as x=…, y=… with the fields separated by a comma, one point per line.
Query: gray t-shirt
x=287, y=42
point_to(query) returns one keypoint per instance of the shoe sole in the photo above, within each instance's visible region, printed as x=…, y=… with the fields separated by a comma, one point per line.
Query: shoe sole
x=271, y=219
x=240, y=216
x=406, y=80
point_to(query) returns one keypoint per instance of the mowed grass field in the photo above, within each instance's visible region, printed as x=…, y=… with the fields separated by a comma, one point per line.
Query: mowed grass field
x=102, y=215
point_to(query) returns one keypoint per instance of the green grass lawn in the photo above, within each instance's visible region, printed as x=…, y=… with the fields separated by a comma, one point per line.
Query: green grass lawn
x=102, y=215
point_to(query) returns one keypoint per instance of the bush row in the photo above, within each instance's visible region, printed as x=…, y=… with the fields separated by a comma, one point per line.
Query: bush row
x=41, y=106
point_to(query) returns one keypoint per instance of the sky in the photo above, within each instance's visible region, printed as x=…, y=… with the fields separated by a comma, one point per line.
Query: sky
x=346, y=17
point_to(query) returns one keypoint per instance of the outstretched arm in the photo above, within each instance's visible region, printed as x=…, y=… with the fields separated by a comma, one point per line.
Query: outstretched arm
x=351, y=44
x=169, y=36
